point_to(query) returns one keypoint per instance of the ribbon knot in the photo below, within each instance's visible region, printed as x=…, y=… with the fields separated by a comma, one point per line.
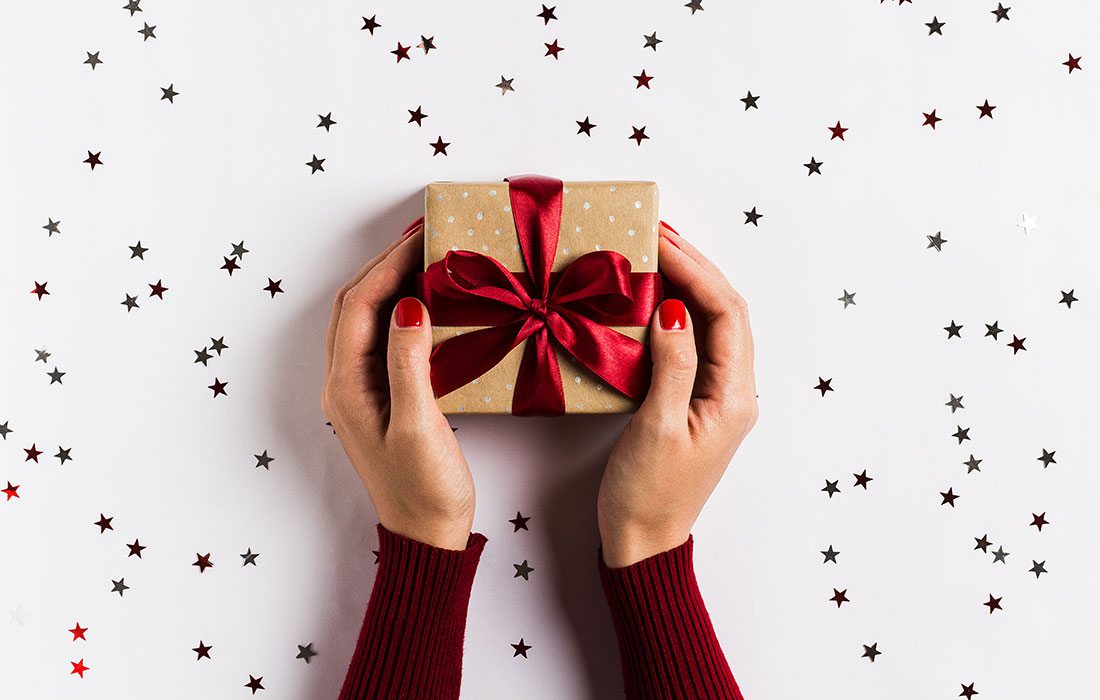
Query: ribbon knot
x=570, y=310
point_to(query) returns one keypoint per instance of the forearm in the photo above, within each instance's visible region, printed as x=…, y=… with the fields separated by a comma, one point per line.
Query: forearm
x=410, y=644
x=667, y=644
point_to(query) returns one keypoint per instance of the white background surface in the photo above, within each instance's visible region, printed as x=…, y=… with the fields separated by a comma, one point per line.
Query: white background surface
x=225, y=162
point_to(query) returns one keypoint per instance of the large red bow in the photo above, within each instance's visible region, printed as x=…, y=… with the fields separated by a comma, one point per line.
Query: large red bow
x=570, y=309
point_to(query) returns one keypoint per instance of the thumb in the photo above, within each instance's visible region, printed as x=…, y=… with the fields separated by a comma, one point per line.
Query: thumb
x=672, y=347
x=407, y=361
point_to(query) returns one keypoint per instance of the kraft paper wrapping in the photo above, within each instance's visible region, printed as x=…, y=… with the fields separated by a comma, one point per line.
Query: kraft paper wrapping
x=477, y=216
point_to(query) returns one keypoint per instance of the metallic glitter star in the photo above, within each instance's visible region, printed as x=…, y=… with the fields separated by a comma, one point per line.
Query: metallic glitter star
x=64, y=454
x=955, y=402
x=402, y=52
x=547, y=14
x=1001, y=12
x=523, y=570
x=1001, y=556
x=147, y=32
x=263, y=460
x=316, y=164
x=133, y=6
x=870, y=652
x=370, y=24
x=831, y=488
x=203, y=562
x=158, y=289
x=830, y=555
x=849, y=298
x=862, y=479
x=1039, y=520
x=961, y=434
x=41, y=355
x=427, y=43
x=505, y=85
x=33, y=453
x=837, y=131
x=694, y=6
x=983, y=543
x=1038, y=567
x=1074, y=63
x=56, y=375
x=306, y=652
x=651, y=41
x=992, y=330
x=119, y=586
x=1047, y=458
x=953, y=330
x=643, y=80
x=93, y=59
x=519, y=522
x=5, y=430
x=239, y=250
x=840, y=597
x=553, y=49
x=52, y=226
x=249, y=557
x=440, y=146
x=169, y=93
x=935, y=26
x=813, y=166
x=274, y=287
x=138, y=251
x=521, y=649
x=218, y=344
x=972, y=464
x=1068, y=299
x=130, y=302
x=936, y=241
x=930, y=119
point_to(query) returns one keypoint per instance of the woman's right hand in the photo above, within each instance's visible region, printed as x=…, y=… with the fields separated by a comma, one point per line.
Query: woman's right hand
x=700, y=406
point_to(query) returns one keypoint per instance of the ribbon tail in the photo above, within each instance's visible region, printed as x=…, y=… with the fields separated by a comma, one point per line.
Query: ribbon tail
x=459, y=360
x=538, y=389
x=618, y=359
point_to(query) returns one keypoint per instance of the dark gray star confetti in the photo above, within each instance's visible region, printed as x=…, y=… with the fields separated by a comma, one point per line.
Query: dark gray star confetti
x=519, y=522
x=202, y=356
x=953, y=330
x=138, y=251
x=849, y=298
x=955, y=402
x=56, y=375
x=1001, y=556
x=5, y=430
x=263, y=460
x=651, y=41
x=695, y=6
x=1001, y=12
x=813, y=167
x=147, y=32
x=961, y=433
x=521, y=649
x=972, y=464
x=41, y=355
x=218, y=344
x=305, y=653
x=93, y=59
x=1068, y=299
x=169, y=93
x=1038, y=567
x=870, y=652
x=249, y=557
x=53, y=227
x=992, y=330
x=752, y=217
x=830, y=555
x=935, y=26
x=936, y=241
x=831, y=488
x=119, y=586
x=133, y=6
x=750, y=101
x=316, y=164
x=983, y=543
x=64, y=454
x=1047, y=458
x=505, y=85
x=523, y=570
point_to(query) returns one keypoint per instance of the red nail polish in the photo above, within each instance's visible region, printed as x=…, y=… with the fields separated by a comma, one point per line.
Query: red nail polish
x=666, y=225
x=412, y=227
x=674, y=243
x=672, y=315
x=409, y=313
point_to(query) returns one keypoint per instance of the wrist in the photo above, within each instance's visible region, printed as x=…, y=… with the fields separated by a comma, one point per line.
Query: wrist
x=452, y=536
x=624, y=548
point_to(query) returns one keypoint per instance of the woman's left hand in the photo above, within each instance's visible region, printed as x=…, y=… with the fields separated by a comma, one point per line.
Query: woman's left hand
x=378, y=397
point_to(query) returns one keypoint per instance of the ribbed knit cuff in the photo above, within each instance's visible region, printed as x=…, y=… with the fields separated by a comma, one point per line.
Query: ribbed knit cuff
x=666, y=640
x=410, y=645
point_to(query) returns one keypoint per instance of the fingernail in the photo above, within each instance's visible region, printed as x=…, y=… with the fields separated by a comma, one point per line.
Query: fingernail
x=672, y=314
x=669, y=239
x=409, y=313
x=412, y=227
x=666, y=225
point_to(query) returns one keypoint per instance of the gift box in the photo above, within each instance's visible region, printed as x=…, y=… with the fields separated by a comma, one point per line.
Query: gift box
x=540, y=293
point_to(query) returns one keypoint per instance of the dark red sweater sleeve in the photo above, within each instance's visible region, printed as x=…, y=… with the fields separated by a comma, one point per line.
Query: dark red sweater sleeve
x=667, y=644
x=410, y=645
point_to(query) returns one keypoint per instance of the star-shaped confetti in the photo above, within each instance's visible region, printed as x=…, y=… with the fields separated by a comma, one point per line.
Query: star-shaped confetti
x=249, y=557
x=202, y=651
x=813, y=167
x=870, y=652
x=93, y=59
x=147, y=32
x=840, y=597
x=935, y=26
x=831, y=488
x=638, y=135
x=752, y=217
x=750, y=101
x=949, y=497
x=169, y=93
x=585, y=127
x=218, y=387
x=1068, y=299
x=849, y=298
x=830, y=555
x=521, y=649
x=651, y=41
x=993, y=604
x=78, y=632
x=1038, y=521
x=519, y=522
x=523, y=570
x=439, y=147
x=1047, y=458
x=505, y=85
x=985, y=109
x=203, y=562
x=416, y=115
x=306, y=652
x=274, y=287
x=1073, y=63
x=553, y=49
x=824, y=385
x=370, y=24
x=326, y=121
x=1001, y=12
x=316, y=164
x=547, y=14
x=937, y=241
x=254, y=683
x=930, y=119
x=402, y=52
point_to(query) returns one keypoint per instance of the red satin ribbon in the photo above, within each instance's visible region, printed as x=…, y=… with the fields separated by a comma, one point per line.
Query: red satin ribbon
x=570, y=309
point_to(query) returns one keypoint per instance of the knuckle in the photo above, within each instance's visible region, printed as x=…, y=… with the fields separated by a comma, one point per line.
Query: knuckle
x=405, y=358
x=679, y=362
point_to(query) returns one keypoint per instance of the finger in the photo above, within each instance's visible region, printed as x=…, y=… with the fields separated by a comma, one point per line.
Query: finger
x=726, y=367
x=407, y=357
x=357, y=330
x=672, y=347
x=330, y=336
x=689, y=248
